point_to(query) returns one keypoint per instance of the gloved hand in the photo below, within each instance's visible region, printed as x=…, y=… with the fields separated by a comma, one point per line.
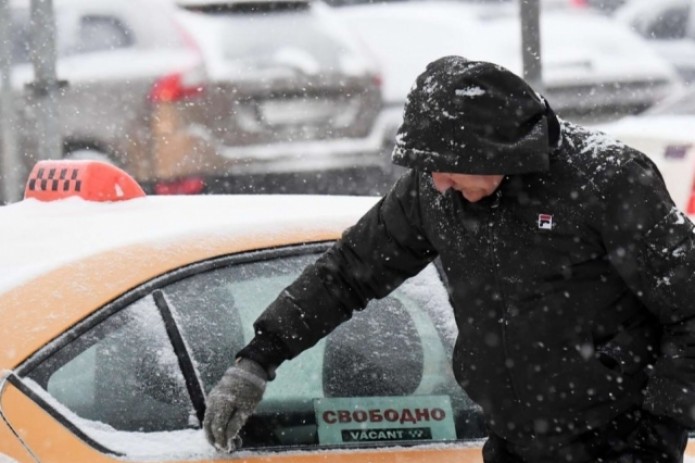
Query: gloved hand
x=231, y=402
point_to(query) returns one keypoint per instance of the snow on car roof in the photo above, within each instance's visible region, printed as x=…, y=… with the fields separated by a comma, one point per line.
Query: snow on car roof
x=40, y=236
x=491, y=33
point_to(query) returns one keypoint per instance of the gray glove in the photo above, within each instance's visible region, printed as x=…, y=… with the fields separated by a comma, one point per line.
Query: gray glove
x=231, y=402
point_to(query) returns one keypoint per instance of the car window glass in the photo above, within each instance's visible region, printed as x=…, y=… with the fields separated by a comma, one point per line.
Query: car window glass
x=252, y=40
x=101, y=33
x=122, y=382
x=86, y=34
x=122, y=373
x=671, y=24
x=394, y=354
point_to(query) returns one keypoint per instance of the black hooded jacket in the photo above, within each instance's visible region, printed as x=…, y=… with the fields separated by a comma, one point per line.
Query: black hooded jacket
x=573, y=286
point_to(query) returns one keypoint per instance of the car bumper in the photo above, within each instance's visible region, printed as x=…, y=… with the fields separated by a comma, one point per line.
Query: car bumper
x=308, y=156
x=192, y=150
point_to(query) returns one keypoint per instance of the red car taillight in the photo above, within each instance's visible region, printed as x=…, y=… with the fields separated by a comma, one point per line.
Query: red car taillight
x=174, y=87
x=377, y=80
x=691, y=201
x=580, y=3
x=183, y=186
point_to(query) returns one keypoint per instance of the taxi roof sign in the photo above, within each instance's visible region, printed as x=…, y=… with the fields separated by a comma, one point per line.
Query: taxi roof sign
x=90, y=180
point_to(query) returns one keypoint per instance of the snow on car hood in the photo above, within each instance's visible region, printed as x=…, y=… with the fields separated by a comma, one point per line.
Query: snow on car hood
x=40, y=236
x=578, y=47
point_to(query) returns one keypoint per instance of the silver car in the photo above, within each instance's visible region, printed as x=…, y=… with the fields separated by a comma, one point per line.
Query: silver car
x=593, y=68
x=668, y=26
x=203, y=96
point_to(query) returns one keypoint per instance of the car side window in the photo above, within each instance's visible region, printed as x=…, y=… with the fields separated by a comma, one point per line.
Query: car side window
x=671, y=24
x=382, y=377
x=122, y=373
x=392, y=357
x=100, y=33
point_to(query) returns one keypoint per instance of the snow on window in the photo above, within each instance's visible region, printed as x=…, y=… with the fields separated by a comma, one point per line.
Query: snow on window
x=180, y=444
x=188, y=444
x=428, y=288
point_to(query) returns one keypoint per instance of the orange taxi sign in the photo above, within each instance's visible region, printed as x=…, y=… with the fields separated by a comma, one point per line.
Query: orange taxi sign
x=90, y=180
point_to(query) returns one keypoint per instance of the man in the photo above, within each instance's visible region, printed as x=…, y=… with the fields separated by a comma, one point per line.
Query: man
x=570, y=270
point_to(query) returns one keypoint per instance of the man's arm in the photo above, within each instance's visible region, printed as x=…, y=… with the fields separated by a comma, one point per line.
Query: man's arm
x=386, y=246
x=652, y=245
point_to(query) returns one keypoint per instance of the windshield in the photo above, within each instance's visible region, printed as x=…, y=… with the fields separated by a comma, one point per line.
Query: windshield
x=90, y=33
x=252, y=36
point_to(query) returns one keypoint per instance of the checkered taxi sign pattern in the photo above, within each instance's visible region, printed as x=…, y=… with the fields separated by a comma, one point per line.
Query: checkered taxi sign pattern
x=56, y=179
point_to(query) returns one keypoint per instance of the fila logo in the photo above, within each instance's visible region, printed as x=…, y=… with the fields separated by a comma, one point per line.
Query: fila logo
x=545, y=221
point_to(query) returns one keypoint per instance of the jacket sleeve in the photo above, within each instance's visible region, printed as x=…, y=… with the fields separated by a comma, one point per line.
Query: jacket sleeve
x=385, y=247
x=652, y=245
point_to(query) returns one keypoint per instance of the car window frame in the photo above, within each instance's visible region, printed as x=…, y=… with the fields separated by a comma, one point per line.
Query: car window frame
x=666, y=18
x=192, y=376
x=127, y=38
x=160, y=282
x=125, y=300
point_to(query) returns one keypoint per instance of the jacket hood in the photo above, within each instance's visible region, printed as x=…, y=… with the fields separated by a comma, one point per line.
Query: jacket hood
x=473, y=117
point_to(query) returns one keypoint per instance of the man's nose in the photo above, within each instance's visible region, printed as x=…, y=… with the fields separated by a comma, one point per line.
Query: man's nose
x=441, y=182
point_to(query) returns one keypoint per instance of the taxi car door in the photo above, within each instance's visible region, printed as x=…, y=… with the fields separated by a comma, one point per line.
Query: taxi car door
x=129, y=382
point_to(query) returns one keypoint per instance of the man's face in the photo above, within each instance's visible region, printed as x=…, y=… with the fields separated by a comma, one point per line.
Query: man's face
x=472, y=187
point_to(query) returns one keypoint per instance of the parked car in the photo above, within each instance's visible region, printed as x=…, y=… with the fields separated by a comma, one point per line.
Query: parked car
x=117, y=316
x=290, y=89
x=593, y=68
x=666, y=133
x=191, y=101
x=668, y=26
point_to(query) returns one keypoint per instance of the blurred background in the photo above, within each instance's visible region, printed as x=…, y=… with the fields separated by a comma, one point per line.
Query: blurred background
x=305, y=96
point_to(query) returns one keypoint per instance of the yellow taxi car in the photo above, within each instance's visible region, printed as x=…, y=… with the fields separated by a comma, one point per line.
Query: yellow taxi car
x=118, y=312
